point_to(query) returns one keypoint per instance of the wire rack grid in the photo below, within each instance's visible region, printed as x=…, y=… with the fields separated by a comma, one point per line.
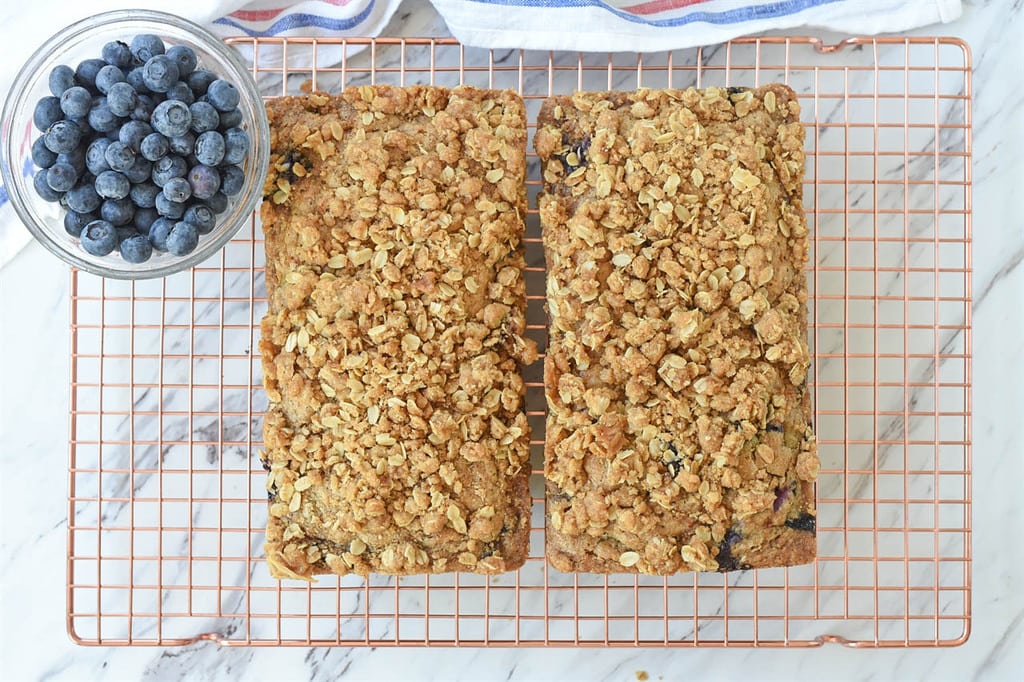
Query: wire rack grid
x=167, y=502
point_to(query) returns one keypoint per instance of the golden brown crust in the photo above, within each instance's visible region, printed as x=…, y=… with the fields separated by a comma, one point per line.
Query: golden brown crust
x=396, y=440
x=678, y=432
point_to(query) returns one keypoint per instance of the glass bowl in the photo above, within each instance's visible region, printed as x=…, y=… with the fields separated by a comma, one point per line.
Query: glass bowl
x=84, y=40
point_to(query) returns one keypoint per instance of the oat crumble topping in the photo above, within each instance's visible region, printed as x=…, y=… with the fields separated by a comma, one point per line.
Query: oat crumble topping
x=678, y=433
x=396, y=438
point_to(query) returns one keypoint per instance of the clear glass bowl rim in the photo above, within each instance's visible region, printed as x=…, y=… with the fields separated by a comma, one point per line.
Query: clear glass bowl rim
x=251, y=195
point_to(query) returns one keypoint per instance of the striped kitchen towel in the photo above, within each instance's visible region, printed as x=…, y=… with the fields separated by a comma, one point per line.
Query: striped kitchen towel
x=593, y=25
x=265, y=18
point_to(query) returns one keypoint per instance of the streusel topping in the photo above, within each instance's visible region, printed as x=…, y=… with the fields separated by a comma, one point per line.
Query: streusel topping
x=679, y=420
x=396, y=437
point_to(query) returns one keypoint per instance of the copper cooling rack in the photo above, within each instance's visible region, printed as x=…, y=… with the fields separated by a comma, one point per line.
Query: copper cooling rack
x=167, y=501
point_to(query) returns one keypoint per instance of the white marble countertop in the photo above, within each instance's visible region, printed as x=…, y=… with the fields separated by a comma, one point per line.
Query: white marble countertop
x=33, y=450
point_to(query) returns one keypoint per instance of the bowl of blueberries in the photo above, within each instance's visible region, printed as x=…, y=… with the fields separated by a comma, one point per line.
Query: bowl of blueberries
x=135, y=144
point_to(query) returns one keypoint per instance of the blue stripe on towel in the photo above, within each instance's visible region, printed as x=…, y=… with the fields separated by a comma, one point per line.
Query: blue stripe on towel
x=301, y=20
x=733, y=16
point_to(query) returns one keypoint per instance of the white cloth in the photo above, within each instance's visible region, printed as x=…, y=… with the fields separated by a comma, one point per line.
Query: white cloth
x=655, y=25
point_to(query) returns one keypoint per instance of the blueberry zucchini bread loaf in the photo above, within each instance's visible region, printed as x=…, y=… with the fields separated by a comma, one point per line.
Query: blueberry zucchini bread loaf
x=396, y=438
x=679, y=434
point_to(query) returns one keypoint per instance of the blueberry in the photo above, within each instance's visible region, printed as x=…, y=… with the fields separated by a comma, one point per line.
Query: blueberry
x=112, y=185
x=144, y=46
x=144, y=106
x=185, y=57
x=47, y=112
x=61, y=177
x=202, y=217
x=61, y=78
x=183, y=238
x=181, y=92
x=168, y=167
x=781, y=495
x=579, y=149
x=805, y=522
x=136, y=248
x=232, y=180
x=75, y=158
x=43, y=189
x=117, y=53
x=126, y=231
x=118, y=212
x=158, y=232
x=177, y=189
x=168, y=208
x=144, y=218
x=107, y=76
x=154, y=146
x=85, y=73
x=199, y=80
x=135, y=79
x=222, y=95
x=236, y=145
x=132, y=133
x=95, y=156
x=75, y=222
x=171, y=118
x=83, y=124
x=205, y=181
x=183, y=145
x=141, y=171
x=76, y=102
x=41, y=156
x=102, y=119
x=210, y=148
x=218, y=203
x=204, y=117
x=62, y=136
x=83, y=198
x=144, y=194
x=725, y=558
x=119, y=156
x=231, y=119
x=160, y=73
x=99, y=238
x=122, y=99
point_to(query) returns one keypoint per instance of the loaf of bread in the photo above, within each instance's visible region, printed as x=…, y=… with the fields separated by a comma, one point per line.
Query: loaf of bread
x=679, y=427
x=396, y=437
